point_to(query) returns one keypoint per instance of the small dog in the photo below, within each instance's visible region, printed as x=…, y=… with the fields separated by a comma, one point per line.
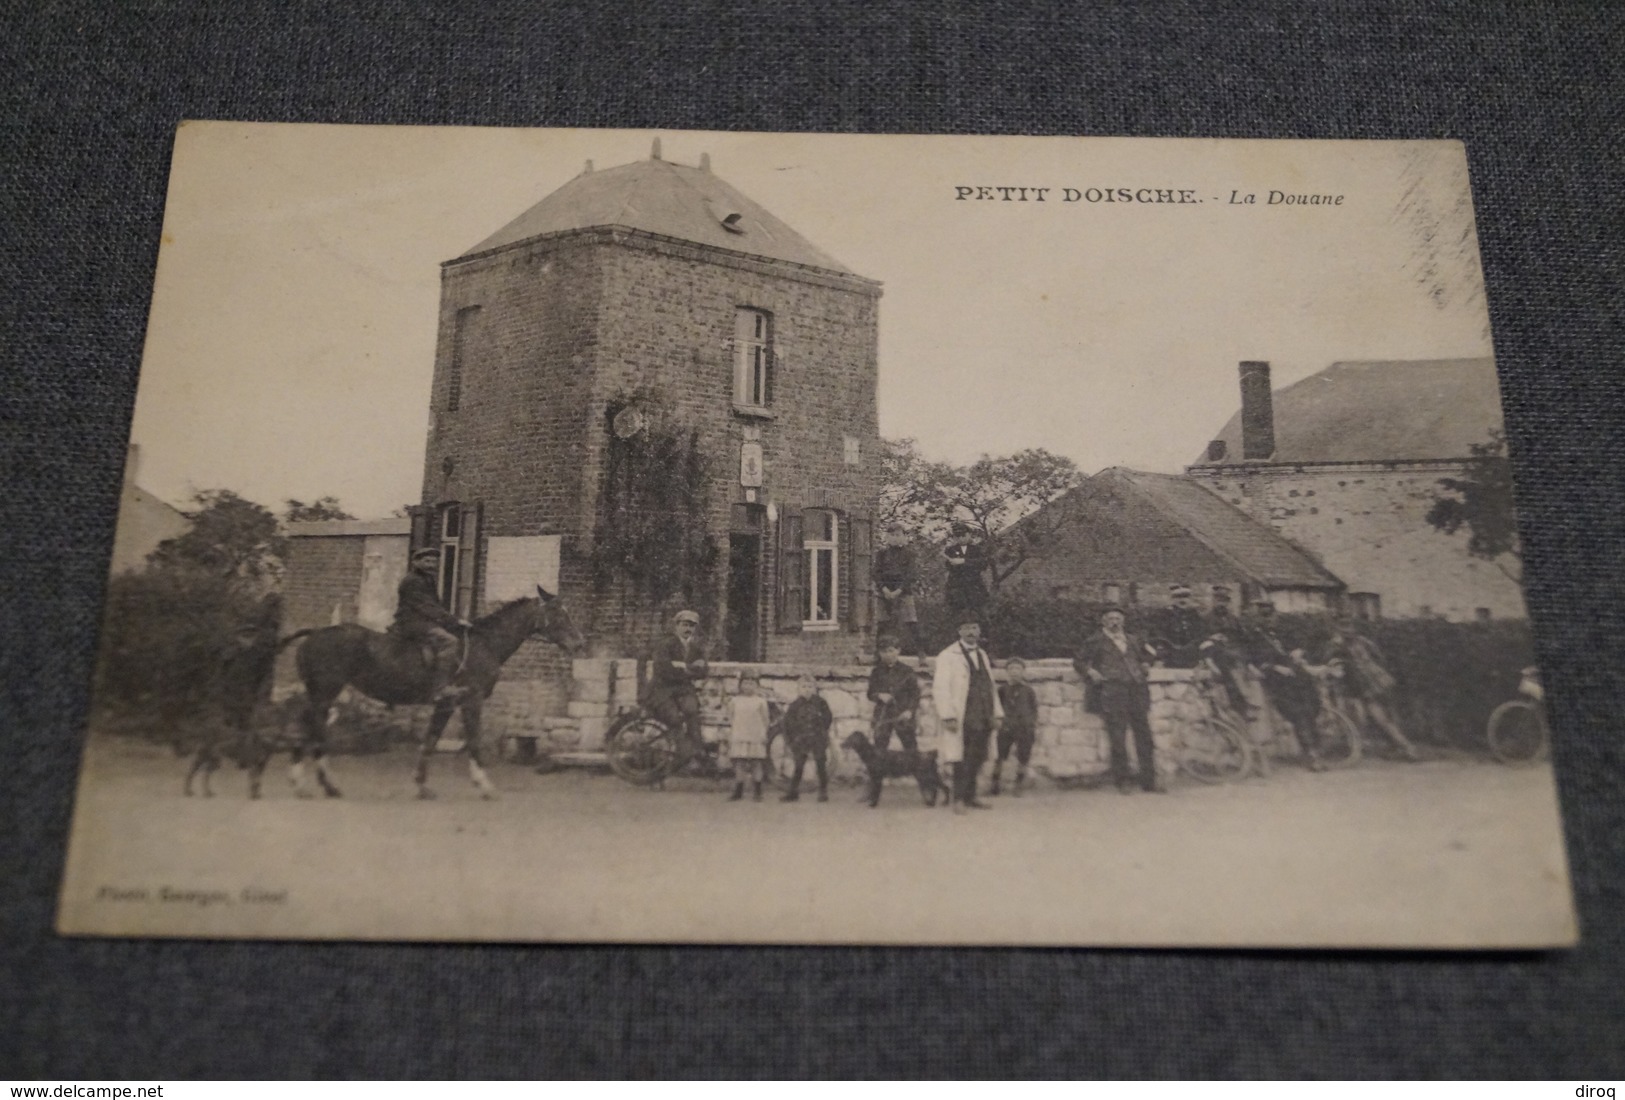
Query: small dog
x=922, y=766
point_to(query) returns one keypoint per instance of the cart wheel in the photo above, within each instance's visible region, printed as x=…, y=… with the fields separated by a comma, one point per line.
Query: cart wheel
x=1517, y=732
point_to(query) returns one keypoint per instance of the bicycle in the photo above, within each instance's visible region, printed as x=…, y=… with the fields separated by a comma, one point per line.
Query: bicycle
x=1213, y=747
x=1516, y=731
x=644, y=751
x=1341, y=740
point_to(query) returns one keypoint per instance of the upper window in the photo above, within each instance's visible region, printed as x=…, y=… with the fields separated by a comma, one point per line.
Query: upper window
x=753, y=357
x=460, y=332
x=821, y=542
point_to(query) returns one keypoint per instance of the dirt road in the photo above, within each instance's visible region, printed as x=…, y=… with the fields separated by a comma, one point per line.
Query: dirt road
x=1439, y=854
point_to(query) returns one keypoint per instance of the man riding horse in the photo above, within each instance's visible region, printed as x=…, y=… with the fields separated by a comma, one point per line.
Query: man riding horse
x=420, y=618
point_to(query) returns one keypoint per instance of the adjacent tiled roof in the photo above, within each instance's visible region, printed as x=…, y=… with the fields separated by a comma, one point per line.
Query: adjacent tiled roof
x=1256, y=549
x=672, y=200
x=1380, y=411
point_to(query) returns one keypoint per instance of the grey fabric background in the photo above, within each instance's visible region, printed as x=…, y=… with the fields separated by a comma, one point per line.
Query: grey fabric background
x=90, y=96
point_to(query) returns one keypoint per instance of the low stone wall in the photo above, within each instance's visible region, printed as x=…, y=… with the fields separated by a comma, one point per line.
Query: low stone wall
x=1071, y=743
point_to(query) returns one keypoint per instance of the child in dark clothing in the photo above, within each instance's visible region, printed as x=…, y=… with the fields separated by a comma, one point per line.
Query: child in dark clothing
x=806, y=731
x=894, y=688
x=1020, y=726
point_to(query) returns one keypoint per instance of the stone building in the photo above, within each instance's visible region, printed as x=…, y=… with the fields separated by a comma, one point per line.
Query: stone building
x=1346, y=464
x=1131, y=535
x=652, y=314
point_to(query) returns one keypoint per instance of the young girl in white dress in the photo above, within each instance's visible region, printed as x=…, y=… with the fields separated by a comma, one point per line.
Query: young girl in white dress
x=747, y=738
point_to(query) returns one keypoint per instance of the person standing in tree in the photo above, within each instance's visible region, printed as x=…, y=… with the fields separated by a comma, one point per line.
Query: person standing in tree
x=966, y=587
x=894, y=588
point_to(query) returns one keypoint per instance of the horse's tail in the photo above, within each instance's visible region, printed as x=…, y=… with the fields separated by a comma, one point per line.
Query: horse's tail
x=295, y=636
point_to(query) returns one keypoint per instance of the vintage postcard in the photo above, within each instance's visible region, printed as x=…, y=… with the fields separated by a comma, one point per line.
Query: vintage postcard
x=762, y=538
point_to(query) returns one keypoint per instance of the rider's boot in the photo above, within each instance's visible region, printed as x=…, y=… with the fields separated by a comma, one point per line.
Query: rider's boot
x=756, y=790
x=1021, y=777
x=739, y=791
x=793, y=794
x=994, y=788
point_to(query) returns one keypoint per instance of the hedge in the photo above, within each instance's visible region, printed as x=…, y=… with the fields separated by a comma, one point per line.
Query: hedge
x=1450, y=675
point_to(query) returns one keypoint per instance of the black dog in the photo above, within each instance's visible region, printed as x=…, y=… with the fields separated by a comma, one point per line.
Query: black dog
x=922, y=766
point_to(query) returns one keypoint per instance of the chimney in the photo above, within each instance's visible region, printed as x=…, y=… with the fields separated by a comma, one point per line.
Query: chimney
x=654, y=150
x=1257, y=413
x=1216, y=450
x=705, y=162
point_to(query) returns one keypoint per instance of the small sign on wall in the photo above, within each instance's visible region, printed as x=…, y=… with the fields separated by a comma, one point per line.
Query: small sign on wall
x=750, y=464
x=515, y=565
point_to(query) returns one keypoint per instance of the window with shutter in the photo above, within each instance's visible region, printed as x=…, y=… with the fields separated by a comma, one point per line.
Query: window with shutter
x=468, y=562
x=860, y=581
x=792, y=581
x=821, y=538
x=457, y=536
x=753, y=357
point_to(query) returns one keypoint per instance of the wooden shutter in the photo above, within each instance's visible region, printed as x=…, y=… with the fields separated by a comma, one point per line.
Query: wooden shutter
x=468, y=561
x=860, y=576
x=422, y=517
x=792, y=573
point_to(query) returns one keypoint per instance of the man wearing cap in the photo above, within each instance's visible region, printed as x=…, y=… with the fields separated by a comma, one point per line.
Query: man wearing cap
x=675, y=667
x=968, y=709
x=420, y=618
x=1116, y=661
x=1288, y=685
x=1180, y=630
x=1223, y=646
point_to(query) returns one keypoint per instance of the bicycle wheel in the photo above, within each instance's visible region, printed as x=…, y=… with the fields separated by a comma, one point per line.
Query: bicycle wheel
x=1213, y=750
x=1517, y=732
x=1339, y=737
x=641, y=750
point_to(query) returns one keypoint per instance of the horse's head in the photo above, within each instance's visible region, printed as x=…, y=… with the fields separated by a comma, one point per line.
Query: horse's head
x=553, y=623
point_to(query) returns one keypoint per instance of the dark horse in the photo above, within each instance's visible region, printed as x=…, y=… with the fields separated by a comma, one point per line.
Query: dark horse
x=393, y=670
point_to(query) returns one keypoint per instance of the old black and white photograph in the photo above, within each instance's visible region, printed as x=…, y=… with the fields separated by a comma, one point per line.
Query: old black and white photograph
x=664, y=536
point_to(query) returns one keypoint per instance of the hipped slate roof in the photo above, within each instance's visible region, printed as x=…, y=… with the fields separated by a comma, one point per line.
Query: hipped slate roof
x=1380, y=411
x=1256, y=549
x=672, y=200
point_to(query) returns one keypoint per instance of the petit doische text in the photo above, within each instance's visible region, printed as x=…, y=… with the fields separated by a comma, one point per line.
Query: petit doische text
x=1157, y=196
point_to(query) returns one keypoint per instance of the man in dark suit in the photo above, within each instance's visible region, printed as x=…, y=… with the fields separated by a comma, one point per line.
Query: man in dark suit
x=421, y=618
x=675, y=667
x=1115, y=662
x=1180, y=629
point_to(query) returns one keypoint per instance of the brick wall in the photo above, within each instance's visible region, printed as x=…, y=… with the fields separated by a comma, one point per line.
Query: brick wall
x=566, y=324
x=1367, y=524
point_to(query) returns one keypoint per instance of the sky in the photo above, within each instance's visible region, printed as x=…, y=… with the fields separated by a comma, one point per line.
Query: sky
x=290, y=346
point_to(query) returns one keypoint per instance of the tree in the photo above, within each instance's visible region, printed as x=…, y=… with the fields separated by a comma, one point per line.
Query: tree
x=1481, y=501
x=230, y=537
x=1007, y=502
x=325, y=508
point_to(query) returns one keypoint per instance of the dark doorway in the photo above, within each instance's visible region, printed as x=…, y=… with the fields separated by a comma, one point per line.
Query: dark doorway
x=740, y=632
